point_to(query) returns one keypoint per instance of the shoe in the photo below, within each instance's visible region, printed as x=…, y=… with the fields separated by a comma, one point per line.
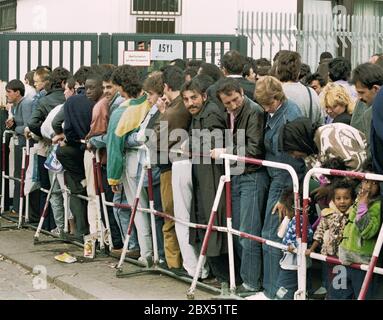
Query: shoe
x=56, y=231
x=258, y=296
x=116, y=252
x=320, y=291
x=213, y=282
x=133, y=254
x=148, y=261
x=244, y=291
x=163, y=265
x=181, y=272
x=13, y=214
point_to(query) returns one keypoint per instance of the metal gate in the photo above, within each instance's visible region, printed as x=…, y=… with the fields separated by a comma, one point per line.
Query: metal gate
x=21, y=52
x=350, y=36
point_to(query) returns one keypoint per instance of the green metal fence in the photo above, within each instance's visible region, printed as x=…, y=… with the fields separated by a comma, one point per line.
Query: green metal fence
x=21, y=52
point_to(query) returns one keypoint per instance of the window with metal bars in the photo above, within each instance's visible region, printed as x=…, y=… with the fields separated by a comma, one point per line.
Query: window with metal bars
x=8, y=15
x=155, y=25
x=156, y=7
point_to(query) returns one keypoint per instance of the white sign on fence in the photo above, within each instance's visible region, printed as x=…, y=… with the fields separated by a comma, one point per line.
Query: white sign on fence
x=137, y=58
x=167, y=50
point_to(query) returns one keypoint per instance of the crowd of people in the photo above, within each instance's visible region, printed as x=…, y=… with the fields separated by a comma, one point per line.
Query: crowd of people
x=188, y=114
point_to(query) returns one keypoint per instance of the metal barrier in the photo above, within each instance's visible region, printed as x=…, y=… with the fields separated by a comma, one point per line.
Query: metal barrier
x=371, y=268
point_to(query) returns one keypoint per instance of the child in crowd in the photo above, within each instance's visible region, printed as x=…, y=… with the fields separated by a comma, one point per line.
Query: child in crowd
x=329, y=232
x=287, y=282
x=359, y=238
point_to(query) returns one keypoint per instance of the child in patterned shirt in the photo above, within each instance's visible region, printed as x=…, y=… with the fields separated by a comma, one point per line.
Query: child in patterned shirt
x=288, y=279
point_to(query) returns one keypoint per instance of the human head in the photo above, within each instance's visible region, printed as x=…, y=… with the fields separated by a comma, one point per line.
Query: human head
x=324, y=56
x=373, y=187
x=316, y=82
x=81, y=75
x=15, y=91
x=249, y=70
x=336, y=100
x=211, y=70
x=287, y=199
x=154, y=87
x=367, y=78
x=41, y=78
x=70, y=88
x=232, y=63
x=173, y=79
x=297, y=138
x=178, y=63
x=190, y=73
x=141, y=46
x=57, y=78
x=343, y=194
x=128, y=81
x=339, y=69
x=269, y=93
x=93, y=84
x=230, y=93
x=304, y=73
x=108, y=87
x=288, y=66
x=262, y=68
x=375, y=57
x=194, y=93
x=28, y=79
x=194, y=63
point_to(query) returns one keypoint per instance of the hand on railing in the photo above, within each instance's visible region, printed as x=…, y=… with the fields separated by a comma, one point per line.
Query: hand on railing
x=9, y=123
x=281, y=209
x=216, y=153
x=116, y=189
x=57, y=138
x=27, y=133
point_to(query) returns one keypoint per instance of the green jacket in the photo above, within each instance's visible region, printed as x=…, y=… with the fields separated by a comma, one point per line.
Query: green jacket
x=360, y=236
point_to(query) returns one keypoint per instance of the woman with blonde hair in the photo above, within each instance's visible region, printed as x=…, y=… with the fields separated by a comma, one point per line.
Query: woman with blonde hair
x=337, y=103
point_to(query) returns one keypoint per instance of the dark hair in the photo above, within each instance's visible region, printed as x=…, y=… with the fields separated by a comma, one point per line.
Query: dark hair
x=173, y=77
x=343, y=183
x=199, y=84
x=325, y=55
x=368, y=75
x=16, y=85
x=154, y=83
x=56, y=79
x=194, y=63
x=191, y=71
x=277, y=55
x=29, y=76
x=128, y=78
x=81, y=74
x=262, y=67
x=226, y=86
x=288, y=66
x=71, y=82
x=287, y=198
x=107, y=76
x=304, y=72
x=249, y=64
x=179, y=63
x=339, y=69
x=233, y=62
x=211, y=70
x=316, y=76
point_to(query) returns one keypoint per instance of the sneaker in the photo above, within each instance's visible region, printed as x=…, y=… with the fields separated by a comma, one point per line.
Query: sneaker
x=213, y=282
x=56, y=231
x=245, y=291
x=320, y=291
x=258, y=296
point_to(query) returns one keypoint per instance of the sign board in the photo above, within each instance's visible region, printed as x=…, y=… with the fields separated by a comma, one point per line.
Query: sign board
x=167, y=50
x=137, y=58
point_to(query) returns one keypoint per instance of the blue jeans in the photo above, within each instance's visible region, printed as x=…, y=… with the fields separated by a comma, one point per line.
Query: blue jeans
x=249, y=193
x=352, y=284
x=122, y=218
x=279, y=181
x=288, y=284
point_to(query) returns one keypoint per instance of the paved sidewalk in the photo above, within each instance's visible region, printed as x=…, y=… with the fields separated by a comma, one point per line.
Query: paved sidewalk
x=90, y=279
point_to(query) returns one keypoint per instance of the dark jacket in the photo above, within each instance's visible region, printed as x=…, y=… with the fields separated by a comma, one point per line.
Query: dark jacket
x=78, y=117
x=44, y=106
x=377, y=134
x=250, y=119
x=345, y=118
x=206, y=177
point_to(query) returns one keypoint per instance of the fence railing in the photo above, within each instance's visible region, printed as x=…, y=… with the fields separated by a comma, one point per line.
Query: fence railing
x=311, y=34
x=21, y=52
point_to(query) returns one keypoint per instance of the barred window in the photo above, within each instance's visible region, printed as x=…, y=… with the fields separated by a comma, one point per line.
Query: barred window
x=8, y=15
x=155, y=25
x=156, y=7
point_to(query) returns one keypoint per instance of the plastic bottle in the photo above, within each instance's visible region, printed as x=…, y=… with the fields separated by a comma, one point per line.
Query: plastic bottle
x=283, y=227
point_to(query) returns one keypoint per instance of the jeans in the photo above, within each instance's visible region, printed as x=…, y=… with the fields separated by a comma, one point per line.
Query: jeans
x=159, y=221
x=288, y=284
x=122, y=217
x=249, y=193
x=279, y=181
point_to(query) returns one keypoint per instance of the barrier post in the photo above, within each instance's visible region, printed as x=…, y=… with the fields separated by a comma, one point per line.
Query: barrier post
x=27, y=155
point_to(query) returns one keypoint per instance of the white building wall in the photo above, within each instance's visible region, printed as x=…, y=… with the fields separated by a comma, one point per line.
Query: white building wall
x=113, y=16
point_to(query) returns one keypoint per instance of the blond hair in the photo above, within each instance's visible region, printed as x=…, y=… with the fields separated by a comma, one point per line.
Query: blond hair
x=268, y=89
x=334, y=94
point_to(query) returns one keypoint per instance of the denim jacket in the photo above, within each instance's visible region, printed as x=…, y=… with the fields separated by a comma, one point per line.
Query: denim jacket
x=288, y=112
